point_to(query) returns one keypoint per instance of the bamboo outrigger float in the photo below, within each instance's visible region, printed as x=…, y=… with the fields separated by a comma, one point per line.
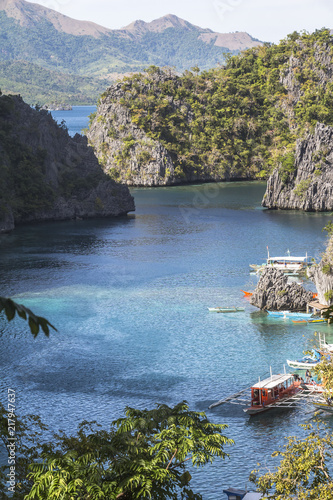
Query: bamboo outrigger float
x=324, y=405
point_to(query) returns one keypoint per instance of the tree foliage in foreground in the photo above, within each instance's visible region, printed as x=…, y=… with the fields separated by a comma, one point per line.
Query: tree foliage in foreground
x=304, y=471
x=144, y=455
x=28, y=435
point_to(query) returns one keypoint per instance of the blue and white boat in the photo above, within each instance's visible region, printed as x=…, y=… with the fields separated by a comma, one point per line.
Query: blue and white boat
x=277, y=314
x=301, y=315
x=307, y=361
x=289, y=314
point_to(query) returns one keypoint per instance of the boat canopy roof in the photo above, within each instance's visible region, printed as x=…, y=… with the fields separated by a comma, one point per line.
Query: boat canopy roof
x=273, y=381
x=288, y=258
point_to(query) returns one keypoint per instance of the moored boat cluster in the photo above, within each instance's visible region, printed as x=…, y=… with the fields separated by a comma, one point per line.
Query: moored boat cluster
x=286, y=301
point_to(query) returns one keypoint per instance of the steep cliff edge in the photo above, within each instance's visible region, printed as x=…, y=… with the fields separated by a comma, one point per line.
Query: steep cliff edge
x=309, y=186
x=47, y=175
x=322, y=275
x=303, y=179
x=124, y=150
x=136, y=156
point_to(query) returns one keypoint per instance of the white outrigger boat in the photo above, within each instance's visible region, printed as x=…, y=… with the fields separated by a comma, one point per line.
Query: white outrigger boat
x=308, y=361
x=225, y=309
x=276, y=391
x=287, y=264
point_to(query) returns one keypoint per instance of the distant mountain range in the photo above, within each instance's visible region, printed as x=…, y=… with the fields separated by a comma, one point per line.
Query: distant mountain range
x=47, y=56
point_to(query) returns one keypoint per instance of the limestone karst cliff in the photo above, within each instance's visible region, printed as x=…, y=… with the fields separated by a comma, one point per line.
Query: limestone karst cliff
x=268, y=110
x=305, y=180
x=47, y=175
x=309, y=186
x=124, y=150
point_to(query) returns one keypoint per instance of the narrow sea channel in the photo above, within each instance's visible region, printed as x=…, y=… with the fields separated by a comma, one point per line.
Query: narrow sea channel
x=129, y=297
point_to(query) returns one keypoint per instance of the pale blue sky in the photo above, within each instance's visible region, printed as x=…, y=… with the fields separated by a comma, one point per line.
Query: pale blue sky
x=264, y=19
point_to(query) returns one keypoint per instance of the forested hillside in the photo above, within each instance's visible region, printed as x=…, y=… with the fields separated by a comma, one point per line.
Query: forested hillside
x=240, y=121
x=39, y=85
x=47, y=42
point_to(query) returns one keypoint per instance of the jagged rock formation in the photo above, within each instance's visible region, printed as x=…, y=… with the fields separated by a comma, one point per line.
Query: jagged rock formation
x=47, y=175
x=120, y=143
x=322, y=275
x=307, y=184
x=133, y=156
x=273, y=292
x=310, y=186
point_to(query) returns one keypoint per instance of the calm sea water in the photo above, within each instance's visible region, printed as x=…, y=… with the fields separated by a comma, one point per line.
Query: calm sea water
x=129, y=298
x=76, y=119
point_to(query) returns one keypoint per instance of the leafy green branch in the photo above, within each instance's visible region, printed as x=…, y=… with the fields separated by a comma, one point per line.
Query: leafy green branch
x=12, y=308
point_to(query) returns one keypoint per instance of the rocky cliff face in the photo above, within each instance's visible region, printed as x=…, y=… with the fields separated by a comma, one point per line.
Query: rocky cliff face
x=47, y=175
x=322, y=275
x=273, y=292
x=124, y=150
x=309, y=186
x=128, y=154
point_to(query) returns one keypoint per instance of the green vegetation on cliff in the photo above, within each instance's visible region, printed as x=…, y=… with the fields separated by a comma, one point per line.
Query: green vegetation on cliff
x=240, y=121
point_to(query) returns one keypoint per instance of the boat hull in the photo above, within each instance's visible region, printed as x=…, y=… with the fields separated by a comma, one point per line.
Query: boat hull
x=301, y=365
x=254, y=411
x=323, y=406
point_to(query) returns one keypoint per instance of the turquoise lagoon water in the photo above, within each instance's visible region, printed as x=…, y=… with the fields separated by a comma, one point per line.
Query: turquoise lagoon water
x=129, y=298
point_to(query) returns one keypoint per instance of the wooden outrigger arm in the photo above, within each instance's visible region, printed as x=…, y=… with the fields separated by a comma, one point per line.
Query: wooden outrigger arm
x=229, y=399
